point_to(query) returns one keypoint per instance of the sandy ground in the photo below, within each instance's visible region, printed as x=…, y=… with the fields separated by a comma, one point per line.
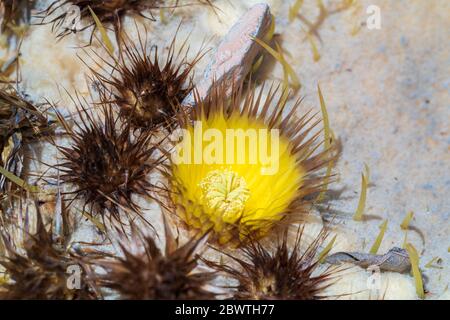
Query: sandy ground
x=387, y=93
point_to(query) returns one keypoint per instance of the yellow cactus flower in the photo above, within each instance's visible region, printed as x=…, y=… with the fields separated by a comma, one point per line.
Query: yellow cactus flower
x=242, y=167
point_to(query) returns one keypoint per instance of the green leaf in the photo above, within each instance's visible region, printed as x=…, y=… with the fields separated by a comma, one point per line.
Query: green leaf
x=315, y=51
x=269, y=35
x=327, y=143
x=103, y=33
x=414, y=258
x=326, y=250
x=407, y=220
x=294, y=9
x=379, y=239
x=21, y=183
x=287, y=69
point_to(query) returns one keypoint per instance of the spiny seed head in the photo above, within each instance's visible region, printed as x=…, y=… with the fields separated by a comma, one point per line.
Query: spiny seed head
x=149, y=90
x=280, y=274
x=41, y=269
x=107, y=163
x=149, y=273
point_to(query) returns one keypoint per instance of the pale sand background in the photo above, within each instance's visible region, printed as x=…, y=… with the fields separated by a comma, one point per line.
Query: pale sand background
x=387, y=93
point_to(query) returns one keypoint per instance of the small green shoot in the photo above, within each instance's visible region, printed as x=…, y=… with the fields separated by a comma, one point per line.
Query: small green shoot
x=326, y=250
x=362, y=198
x=294, y=9
x=21, y=183
x=257, y=64
x=407, y=220
x=414, y=258
x=405, y=241
x=267, y=38
x=285, y=79
x=93, y=220
x=328, y=137
x=287, y=68
x=315, y=51
x=367, y=172
x=162, y=16
x=379, y=239
x=269, y=35
x=103, y=33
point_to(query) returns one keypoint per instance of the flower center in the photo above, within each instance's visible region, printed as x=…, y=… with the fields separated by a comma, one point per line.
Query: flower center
x=226, y=193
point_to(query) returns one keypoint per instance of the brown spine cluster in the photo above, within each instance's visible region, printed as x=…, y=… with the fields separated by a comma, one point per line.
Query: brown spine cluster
x=21, y=123
x=148, y=88
x=280, y=273
x=110, y=12
x=107, y=163
x=153, y=274
x=40, y=268
x=14, y=12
